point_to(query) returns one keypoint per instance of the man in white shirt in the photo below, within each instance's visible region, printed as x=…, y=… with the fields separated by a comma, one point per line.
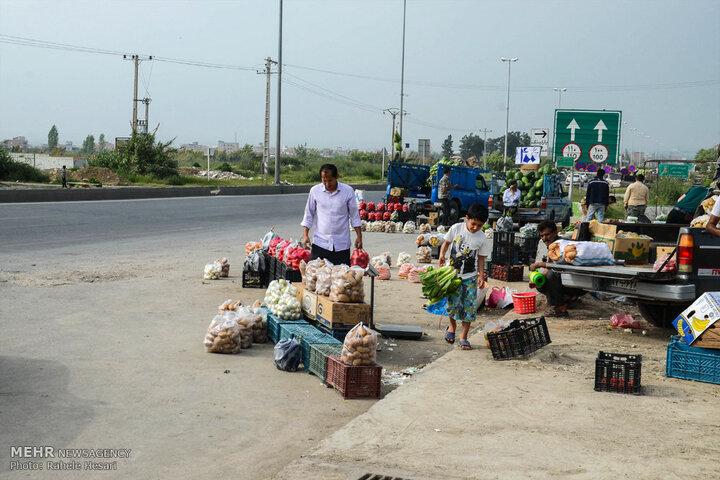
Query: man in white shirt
x=511, y=199
x=711, y=226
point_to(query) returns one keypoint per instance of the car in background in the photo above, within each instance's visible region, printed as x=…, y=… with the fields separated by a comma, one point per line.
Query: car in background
x=580, y=179
x=615, y=180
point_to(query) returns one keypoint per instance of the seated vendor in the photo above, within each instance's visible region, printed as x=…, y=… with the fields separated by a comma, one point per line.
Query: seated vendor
x=558, y=296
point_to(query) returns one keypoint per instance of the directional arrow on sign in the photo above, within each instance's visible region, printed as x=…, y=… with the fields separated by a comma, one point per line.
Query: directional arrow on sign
x=574, y=126
x=542, y=134
x=600, y=127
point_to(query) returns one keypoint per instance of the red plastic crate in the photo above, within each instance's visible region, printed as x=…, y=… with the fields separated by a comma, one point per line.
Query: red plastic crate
x=354, y=381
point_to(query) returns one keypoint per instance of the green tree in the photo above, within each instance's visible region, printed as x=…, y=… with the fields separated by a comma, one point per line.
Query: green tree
x=53, y=138
x=470, y=145
x=141, y=155
x=226, y=167
x=101, y=142
x=447, y=147
x=88, y=146
x=707, y=158
x=515, y=139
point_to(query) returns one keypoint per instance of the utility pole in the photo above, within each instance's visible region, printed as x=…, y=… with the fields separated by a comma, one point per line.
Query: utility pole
x=279, y=98
x=136, y=63
x=402, y=73
x=507, y=114
x=394, y=112
x=146, y=123
x=485, y=131
x=266, y=139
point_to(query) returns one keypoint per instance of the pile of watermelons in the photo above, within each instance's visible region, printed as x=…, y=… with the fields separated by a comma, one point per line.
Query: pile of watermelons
x=530, y=185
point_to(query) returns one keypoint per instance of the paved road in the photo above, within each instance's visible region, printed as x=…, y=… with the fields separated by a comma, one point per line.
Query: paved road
x=40, y=226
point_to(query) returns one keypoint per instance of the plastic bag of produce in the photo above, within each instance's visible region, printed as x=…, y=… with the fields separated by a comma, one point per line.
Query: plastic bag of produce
x=404, y=257
x=414, y=274
x=267, y=238
x=229, y=306
x=212, y=271
x=256, y=329
x=624, y=320
x=435, y=240
x=272, y=246
x=359, y=258
x=383, y=270
x=287, y=355
x=709, y=203
x=424, y=255
x=324, y=279
x=360, y=346
x=224, y=267
x=670, y=266
x=425, y=228
x=223, y=335
x=398, y=227
x=441, y=229
x=700, y=222
x=347, y=284
x=276, y=289
x=250, y=247
x=383, y=258
x=409, y=227
x=580, y=253
x=309, y=272
x=405, y=269
x=504, y=224
x=255, y=261
x=390, y=227
x=287, y=307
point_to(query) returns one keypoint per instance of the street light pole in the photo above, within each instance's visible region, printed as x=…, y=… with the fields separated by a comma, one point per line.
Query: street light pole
x=402, y=73
x=279, y=97
x=560, y=91
x=507, y=112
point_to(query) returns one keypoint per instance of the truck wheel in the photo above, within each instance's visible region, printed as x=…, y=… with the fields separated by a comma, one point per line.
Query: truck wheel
x=454, y=215
x=661, y=314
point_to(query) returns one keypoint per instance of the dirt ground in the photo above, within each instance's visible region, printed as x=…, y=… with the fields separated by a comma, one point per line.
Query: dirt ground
x=101, y=348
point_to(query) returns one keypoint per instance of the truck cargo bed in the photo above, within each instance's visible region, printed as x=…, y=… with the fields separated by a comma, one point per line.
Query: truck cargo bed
x=638, y=272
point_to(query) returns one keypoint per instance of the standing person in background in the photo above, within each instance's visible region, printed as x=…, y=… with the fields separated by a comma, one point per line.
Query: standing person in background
x=511, y=199
x=63, y=176
x=597, y=197
x=636, y=199
x=444, y=187
x=330, y=207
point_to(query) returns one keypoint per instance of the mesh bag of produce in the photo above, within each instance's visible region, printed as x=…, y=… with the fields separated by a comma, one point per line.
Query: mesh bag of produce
x=360, y=346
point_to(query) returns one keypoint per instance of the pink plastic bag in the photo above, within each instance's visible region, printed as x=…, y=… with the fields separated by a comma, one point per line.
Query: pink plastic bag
x=383, y=272
x=670, y=266
x=624, y=320
x=497, y=294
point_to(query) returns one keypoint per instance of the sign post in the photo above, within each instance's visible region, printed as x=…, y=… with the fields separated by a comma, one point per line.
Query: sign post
x=681, y=170
x=540, y=137
x=588, y=135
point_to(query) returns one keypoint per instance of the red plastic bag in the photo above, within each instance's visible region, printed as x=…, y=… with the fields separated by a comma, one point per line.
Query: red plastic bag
x=624, y=320
x=359, y=258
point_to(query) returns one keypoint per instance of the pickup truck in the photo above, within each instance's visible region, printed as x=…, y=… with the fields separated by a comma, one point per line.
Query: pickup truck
x=661, y=296
x=469, y=186
x=554, y=205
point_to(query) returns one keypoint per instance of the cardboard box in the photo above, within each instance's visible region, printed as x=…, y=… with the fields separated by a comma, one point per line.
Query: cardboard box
x=300, y=289
x=692, y=323
x=331, y=313
x=308, y=303
x=661, y=251
x=635, y=251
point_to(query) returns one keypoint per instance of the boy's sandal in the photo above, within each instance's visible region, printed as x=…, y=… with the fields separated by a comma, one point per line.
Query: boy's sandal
x=465, y=345
x=449, y=336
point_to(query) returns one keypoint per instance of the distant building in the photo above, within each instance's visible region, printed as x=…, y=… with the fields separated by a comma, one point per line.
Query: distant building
x=227, y=147
x=16, y=143
x=69, y=147
x=194, y=147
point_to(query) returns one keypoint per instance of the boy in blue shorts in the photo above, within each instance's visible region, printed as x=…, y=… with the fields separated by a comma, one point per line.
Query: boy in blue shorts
x=468, y=247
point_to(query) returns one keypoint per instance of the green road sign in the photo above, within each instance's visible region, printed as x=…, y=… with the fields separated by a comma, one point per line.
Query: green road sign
x=588, y=135
x=674, y=169
x=566, y=162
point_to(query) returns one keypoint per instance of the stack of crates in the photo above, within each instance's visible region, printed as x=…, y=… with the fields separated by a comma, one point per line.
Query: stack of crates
x=319, y=353
x=308, y=341
x=274, y=323
x=506, y=264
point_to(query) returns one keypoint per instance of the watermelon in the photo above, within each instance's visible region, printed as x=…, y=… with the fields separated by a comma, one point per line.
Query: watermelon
x=539, y=183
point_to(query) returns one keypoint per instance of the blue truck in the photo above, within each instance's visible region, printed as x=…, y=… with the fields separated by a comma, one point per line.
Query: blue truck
x=468, y=186
x=550, y=203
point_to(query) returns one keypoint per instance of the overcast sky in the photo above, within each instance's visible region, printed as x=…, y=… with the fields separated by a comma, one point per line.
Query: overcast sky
x=658, y=61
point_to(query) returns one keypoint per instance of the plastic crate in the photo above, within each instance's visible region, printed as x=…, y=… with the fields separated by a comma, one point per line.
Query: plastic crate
x=528, y=247
x=618, y=372
x=504, y=250
x=273, y=326
x=319, y=338
x=290, y=275
x=692, y=363
x=290, y=330
x=507, y=273
x=338, y=332
x=360, y=381
x=319, y=353
x=519, y=338
x=251, y=279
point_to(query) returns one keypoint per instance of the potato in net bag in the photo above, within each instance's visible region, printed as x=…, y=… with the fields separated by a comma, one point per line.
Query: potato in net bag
x=360, y=346
x=347, y=284
x=223, y=335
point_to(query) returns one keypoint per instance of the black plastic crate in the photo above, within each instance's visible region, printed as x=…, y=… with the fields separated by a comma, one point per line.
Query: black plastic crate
x=519, y=338
x=528, y=247
x=252, y=279
x=618, y=372
x=286, y=273
x=504, y=250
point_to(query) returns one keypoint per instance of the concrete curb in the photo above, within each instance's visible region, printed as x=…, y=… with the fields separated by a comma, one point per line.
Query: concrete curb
x=126, y=193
